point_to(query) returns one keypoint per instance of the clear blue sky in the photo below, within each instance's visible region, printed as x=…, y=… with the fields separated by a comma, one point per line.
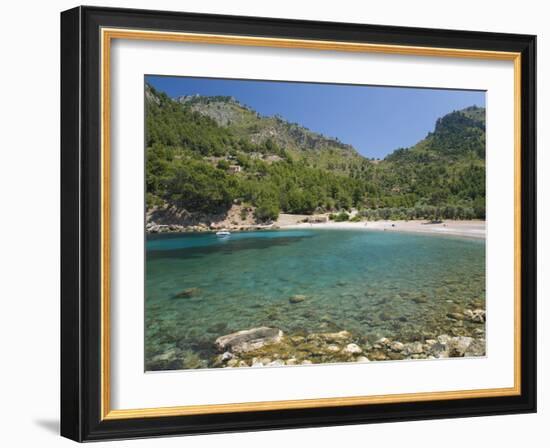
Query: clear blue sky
x=375, y=120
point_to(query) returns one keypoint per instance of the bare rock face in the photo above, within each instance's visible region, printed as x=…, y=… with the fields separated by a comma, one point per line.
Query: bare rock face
x=249, y=340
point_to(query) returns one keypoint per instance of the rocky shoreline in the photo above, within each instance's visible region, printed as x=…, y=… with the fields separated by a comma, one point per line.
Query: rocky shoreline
x=169, y=219
x=271, y=347
x=152, y=228
x=323, y=348
x=468, y=229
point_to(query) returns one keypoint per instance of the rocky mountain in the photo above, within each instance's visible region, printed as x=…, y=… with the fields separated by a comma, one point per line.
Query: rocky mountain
x=244, y=122
x=457, y=135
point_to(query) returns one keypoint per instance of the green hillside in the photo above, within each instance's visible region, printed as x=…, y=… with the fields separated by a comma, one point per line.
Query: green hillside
x=299, y=143
x=205, y=154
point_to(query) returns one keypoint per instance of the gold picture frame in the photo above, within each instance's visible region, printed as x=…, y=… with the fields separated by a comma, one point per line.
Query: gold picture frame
x=106, y=32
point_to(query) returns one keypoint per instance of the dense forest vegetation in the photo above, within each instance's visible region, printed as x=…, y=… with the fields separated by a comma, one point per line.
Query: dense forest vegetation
x=206, y=153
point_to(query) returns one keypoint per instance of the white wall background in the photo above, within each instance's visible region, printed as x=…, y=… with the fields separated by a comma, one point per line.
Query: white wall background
x=29, y=222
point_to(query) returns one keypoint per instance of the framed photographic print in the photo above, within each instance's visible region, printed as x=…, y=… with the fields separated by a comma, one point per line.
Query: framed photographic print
x=276, y=224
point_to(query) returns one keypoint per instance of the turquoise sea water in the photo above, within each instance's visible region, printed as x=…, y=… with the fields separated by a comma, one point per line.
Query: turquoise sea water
x=371, y=283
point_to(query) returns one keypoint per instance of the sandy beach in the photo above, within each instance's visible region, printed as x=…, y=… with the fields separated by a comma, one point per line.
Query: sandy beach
x=471, y=229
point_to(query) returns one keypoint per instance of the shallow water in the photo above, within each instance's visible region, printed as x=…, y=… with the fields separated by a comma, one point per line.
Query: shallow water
x=371, y=283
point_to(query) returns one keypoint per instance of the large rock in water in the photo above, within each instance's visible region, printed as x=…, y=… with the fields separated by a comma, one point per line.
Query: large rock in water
x=297, y=298
x=477, y=316
x=352, y=349
x=458, y=346
x=248, y=340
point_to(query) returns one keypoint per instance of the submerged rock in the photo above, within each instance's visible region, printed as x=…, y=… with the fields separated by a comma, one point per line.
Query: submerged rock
x=249, y=340
x=218, y=328
x=297, y=298
x=455, y=316
x=333, y=337
x=168, y=355
x=187, y=293
x=297, y=339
